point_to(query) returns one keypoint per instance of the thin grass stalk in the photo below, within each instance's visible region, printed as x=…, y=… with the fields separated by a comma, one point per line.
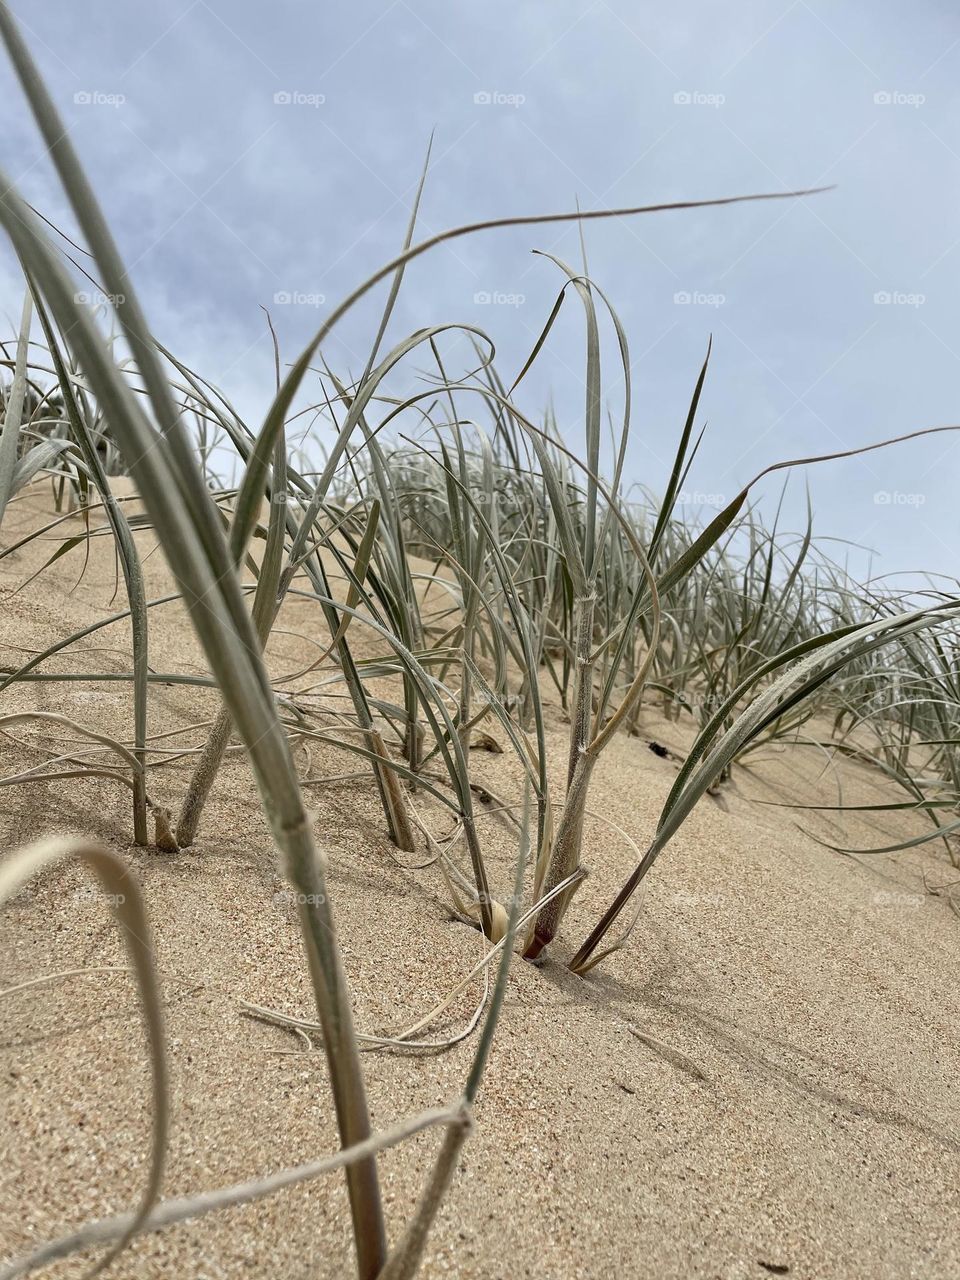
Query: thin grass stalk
x=302, y=557
x=188, y=1208
x=13, y=411
x=248, y=500
x=404, y=1263
x=181, y=509
x=392, y=798
x=391, y=795
x=263, y=612
x=126, y=900
x=819, y=659
x=584, y=666
x=564, y=855
x=132, y=576
x=405, y=1260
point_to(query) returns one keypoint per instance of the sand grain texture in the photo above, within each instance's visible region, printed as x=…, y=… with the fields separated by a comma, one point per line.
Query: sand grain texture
x=807, y=1115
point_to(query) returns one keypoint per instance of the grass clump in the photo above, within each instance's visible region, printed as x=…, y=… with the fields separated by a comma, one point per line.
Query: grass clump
x=465, y=575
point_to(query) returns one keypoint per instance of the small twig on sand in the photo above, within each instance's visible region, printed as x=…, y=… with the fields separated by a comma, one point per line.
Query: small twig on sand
x=672, y=1055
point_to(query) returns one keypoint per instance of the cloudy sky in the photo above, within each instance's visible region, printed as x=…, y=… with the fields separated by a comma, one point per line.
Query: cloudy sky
x=250, y=154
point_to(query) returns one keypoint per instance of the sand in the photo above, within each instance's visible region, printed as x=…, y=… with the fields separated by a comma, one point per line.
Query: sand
x=804, y=1121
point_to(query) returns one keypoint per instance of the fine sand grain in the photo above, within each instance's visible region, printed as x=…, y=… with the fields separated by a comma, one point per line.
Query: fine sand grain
x=789, y=1106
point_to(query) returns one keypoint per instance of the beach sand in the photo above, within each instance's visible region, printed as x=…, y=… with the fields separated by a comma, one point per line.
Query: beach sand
x=799, y=1113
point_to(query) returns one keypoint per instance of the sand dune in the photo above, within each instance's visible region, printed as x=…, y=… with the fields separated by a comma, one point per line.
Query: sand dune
x=790, y=1106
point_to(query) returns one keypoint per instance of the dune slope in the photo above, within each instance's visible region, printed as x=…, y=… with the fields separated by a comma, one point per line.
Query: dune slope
x=789, y=1107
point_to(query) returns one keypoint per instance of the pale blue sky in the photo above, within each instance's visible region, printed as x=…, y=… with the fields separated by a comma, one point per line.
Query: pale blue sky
x=224, y=198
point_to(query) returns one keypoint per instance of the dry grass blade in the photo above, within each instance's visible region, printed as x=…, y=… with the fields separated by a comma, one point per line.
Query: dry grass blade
x=13, y=412
x=162, y=462
x=123, y=894
x=168, y=1213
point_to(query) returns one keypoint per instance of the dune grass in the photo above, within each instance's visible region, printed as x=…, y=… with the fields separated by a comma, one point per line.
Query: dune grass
x=470, y=567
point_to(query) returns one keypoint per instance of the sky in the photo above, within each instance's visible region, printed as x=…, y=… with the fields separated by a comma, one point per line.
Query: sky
x=251, y=155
